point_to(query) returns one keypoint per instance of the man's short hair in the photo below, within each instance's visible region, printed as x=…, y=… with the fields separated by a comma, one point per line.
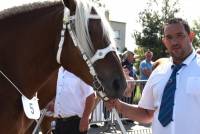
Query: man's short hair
x=175, y=21
x=127, y=53
x=149, y=52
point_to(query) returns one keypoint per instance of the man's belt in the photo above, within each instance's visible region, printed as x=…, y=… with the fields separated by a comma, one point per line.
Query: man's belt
x=68, y=118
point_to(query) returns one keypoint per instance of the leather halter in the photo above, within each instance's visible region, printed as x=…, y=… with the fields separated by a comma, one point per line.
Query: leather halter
x=99, y=54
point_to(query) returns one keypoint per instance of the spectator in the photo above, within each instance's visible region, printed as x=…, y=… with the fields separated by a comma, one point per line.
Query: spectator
x=130, y=84
x=146, y=68
x=128, y=93
x=73, y=104
x=170, y=98
x=128, y=59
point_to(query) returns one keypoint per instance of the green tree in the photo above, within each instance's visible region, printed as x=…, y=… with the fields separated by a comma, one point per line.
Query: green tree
x=152, y=20
x=196, y=30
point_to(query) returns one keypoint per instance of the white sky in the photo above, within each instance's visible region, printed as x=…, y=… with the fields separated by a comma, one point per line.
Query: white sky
x=127, y=11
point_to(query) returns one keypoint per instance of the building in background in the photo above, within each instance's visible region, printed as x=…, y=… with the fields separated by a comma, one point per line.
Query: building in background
x=119, y=29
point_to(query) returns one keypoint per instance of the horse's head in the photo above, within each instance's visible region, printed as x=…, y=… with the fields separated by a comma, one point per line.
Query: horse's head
x=94, y=58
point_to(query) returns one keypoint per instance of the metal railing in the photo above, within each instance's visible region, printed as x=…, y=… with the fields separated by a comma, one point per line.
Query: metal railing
x=101, y=115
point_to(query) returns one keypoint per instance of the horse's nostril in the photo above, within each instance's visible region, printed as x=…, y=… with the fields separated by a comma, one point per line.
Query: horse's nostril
x=116, y=87
x=117, y=84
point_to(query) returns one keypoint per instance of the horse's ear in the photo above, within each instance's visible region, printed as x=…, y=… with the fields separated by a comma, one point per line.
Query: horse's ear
x=71, y=4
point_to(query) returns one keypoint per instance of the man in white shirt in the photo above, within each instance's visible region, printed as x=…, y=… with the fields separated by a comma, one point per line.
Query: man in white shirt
x=73, y=104
x=186, y=101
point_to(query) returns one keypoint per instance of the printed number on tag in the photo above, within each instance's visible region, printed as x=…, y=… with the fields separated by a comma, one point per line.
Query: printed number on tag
x=31, y=107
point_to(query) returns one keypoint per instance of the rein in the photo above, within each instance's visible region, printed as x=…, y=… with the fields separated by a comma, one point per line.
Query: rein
x=99, y=54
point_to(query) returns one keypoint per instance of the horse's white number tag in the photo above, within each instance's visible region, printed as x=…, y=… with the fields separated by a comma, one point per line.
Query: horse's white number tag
x=31, y=107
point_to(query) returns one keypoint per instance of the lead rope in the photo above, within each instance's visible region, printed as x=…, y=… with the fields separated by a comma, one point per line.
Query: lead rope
x=39, y=121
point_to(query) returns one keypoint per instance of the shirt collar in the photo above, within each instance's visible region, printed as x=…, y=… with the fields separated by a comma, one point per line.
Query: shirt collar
x=188, y=60
x=66, y=73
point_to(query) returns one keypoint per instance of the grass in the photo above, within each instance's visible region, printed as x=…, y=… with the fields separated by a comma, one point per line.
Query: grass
x=137, y=95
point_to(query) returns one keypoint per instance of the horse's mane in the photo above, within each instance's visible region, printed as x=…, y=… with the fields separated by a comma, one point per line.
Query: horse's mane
x=83, y=12
x=9, y=12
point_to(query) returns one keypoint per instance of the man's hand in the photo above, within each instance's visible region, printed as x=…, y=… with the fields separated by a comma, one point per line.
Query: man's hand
x=147, y=72
x=113, y=103
x=50, y=106
x=84, y=123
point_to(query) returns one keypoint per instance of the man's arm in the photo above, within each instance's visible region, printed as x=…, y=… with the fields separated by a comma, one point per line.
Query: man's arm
x=89, y=104
x=145, y=70
x=132, y=111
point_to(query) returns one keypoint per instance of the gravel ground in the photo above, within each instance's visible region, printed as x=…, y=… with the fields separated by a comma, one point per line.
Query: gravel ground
x=113, y=128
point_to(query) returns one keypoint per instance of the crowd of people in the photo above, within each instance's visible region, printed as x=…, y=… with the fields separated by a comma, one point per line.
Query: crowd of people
x=170, y=89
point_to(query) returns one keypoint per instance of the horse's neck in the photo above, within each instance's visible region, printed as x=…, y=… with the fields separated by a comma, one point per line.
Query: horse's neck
x=29, y=49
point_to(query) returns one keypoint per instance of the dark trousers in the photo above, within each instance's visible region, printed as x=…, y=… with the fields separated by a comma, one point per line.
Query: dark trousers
x=106, y=112
x=68, y=126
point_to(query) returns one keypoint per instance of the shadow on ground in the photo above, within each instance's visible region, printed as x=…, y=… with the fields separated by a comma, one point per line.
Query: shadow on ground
x=113, y=128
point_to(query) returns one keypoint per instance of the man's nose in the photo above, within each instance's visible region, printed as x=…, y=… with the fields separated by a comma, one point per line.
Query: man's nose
x=174, y=40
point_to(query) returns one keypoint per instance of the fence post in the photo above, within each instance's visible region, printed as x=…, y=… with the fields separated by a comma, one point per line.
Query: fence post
x=119, y=121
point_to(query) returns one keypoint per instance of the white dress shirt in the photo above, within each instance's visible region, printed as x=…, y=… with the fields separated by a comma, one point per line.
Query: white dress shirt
x=71, y=95
x=186, y=114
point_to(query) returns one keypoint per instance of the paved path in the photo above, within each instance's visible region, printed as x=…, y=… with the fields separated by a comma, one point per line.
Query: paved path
x=131, y=128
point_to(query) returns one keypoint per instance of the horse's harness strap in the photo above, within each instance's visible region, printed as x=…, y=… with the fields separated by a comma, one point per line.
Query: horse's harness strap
x=100, y=90
x=100, y=54
x=60, y=46
x=74, y=38
x=43, y=112
x=92, y=16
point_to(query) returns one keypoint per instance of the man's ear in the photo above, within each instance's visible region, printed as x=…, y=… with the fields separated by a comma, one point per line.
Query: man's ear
x=192, y=36
x=163, y=41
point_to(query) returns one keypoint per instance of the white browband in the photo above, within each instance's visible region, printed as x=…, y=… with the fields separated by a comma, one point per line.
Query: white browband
x=101, y=53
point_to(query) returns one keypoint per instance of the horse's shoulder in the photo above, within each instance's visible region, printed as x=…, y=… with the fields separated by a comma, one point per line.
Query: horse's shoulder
x=160, y=61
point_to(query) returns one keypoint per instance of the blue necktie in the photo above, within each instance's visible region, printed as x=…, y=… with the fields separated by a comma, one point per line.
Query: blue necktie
x=167, y=103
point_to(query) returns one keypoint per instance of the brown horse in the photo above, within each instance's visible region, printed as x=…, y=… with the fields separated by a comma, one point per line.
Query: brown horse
x=31, y=41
